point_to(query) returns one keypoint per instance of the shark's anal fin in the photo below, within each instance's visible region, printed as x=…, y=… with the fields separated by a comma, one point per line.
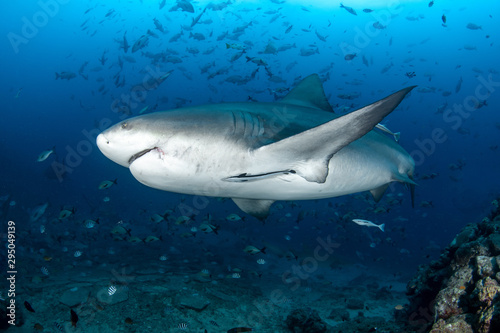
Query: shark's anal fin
x=378, y=192
x=254, y=207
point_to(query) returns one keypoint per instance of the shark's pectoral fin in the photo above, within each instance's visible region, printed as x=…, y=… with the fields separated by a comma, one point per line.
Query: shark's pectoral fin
x=378, y=192
x=254, y=207
x=313, y=170
x=308, y=153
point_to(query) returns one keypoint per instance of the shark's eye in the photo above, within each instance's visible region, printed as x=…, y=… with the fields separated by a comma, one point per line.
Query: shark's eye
x=124, y=125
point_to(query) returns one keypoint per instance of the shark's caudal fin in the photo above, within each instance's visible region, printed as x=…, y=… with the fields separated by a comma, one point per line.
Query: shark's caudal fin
x=412, y=190
x=308, y=153
x=309, y=92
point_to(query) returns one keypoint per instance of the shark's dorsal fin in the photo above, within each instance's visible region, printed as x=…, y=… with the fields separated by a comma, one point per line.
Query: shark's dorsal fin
x=308, y=153
x=309, y=93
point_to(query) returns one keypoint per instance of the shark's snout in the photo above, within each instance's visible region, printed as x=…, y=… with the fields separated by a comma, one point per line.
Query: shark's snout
x=101, y=141
x=110, y=151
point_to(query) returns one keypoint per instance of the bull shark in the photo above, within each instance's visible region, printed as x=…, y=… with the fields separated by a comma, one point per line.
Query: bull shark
x=258, y=153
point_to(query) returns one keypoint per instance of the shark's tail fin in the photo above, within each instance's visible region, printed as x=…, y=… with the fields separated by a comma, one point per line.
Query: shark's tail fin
x=409, y=183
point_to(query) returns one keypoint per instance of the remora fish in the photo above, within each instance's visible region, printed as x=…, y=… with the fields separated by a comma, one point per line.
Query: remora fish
x=383, y=128
x=257, y=153
x=367, y=223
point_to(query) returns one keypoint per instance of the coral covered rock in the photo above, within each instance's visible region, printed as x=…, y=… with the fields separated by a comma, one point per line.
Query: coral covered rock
x=460, y=291
x=487, y=290
x=458, y=325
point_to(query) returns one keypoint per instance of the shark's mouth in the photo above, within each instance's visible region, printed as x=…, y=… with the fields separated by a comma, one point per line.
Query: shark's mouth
x=140, y=154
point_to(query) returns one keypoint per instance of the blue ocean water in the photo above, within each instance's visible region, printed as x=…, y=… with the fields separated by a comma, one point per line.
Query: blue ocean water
x=449, y=124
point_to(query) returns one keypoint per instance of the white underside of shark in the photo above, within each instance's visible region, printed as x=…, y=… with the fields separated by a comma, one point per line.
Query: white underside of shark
x=257, y=153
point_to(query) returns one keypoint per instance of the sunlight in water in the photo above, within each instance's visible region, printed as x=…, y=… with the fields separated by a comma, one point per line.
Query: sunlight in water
x=355, y=4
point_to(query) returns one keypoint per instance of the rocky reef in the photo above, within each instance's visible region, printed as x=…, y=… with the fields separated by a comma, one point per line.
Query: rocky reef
x=459, y=291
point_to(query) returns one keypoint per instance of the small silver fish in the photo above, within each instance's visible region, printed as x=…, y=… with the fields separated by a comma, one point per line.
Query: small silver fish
x=367, y=223
x=349, y=9
x=208, y=228
x=107, y=184
x=157, y=218
x=65, y=213
x=45, y=154
x=120, y=230
x=18, y=93
x=38, y=211
x=234, y=46
x=473, y=26
x=250, y=249
x=150, y=239
x=89, y=224
x=233, y=217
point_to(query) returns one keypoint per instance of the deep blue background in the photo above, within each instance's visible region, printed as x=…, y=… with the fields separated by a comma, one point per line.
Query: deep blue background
x=51, y=112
